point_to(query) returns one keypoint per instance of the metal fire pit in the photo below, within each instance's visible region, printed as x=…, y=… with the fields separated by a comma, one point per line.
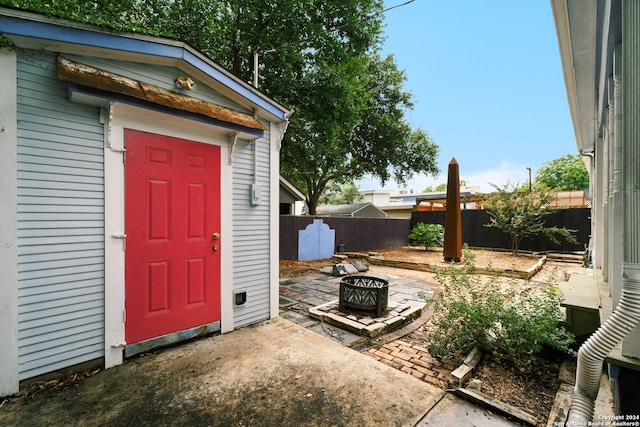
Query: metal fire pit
x=363, y=293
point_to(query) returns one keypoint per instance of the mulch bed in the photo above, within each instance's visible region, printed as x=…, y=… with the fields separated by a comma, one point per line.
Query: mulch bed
x=533, y=390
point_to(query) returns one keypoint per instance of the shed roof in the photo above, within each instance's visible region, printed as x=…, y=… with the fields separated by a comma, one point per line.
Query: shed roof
x=291, y=189
x=34, y=31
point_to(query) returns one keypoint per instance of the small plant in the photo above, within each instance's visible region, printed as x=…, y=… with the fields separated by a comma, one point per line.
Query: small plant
x=429, y=235
x=511, y=322
x=422, y=296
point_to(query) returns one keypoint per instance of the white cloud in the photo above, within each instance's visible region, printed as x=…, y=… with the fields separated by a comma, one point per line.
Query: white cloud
x=505, y=172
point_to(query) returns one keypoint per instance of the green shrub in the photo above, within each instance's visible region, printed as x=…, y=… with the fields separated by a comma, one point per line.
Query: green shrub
x=512, y=322
x=520, y=213
x=429, y=235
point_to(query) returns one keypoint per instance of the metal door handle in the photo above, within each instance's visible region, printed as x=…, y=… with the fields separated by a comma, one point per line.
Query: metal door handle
x=214, y=248
x=215, y=236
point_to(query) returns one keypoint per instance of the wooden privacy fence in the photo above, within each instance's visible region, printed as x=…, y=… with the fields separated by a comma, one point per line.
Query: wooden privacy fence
x=352, y=234
x=370, y=234
x=475, y=234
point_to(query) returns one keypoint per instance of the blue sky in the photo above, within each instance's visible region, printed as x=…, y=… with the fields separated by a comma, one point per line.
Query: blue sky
x=487, y=84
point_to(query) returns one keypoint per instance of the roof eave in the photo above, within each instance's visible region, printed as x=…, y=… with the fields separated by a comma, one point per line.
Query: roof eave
x=577, y=39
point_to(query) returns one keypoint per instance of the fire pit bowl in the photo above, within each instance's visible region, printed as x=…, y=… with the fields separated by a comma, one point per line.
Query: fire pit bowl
x=363, y=293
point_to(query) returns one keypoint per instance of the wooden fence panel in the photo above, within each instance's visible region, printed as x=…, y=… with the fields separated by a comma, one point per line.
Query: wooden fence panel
x=354, y=234
x=476, y=234
x=370, y=234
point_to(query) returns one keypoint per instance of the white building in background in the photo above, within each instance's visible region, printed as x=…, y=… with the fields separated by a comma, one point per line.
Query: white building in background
x=292, y=201
x=400, y=203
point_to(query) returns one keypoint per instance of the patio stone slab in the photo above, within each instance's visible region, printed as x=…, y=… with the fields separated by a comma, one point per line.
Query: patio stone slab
x=336, y=334
x=394, y=318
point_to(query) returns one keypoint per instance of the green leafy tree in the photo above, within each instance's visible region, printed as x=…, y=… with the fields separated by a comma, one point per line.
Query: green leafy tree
x=122, y=15
x=429, y=235
x=339, y=194
x=441, y=187
x=320, y=58
x=564, y=173
x=377, y=141
x=520, y=214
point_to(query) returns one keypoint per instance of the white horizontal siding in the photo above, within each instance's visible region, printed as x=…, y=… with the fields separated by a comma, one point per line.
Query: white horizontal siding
x=73, y=352
x=251, y=232
x=60, y=223
x=54, y=288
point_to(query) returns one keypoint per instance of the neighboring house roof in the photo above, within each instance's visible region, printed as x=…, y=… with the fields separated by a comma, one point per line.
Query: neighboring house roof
x=354, y=209
x=34, y=31
x=291, y=190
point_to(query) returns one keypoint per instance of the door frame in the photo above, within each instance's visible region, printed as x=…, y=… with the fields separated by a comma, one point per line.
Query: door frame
x=116, y=118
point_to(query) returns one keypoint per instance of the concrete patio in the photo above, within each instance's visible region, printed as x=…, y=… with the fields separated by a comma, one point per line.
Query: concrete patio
x=274, y=373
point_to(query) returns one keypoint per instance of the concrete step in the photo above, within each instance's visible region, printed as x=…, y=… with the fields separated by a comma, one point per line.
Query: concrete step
x=581, y=301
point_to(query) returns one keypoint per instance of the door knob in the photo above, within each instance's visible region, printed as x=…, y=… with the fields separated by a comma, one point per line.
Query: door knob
x=214, y=248
x=215, y=236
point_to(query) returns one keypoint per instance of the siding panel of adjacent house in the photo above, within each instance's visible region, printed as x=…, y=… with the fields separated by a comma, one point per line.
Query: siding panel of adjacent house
x=251, y=247
x=60, y=223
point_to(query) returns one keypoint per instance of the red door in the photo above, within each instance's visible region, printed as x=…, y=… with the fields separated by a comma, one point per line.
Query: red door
x=172, y=210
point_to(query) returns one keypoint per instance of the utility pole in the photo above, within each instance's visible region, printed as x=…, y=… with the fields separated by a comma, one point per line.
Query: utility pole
x=256, y=64
x=529, y=169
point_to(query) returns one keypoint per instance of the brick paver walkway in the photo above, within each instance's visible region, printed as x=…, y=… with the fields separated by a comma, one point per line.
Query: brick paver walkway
x=410, y=355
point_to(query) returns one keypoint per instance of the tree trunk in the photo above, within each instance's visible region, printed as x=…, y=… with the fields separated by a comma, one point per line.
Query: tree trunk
x=515, y=244
x=312, y=204
x=314, y=195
